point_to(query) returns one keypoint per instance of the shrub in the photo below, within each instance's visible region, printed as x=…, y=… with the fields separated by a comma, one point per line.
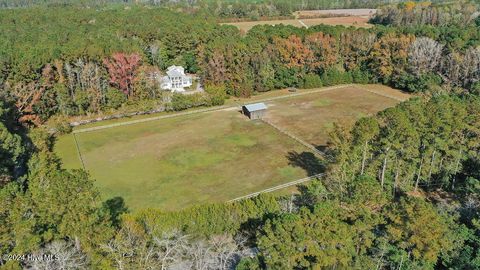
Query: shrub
x=115, y=98
x=82, y=101
x=422, y=83
x=247, y=263
x=211, y=219
x=60, y=124
x=312, y=81
x=65, y=102
x=181, y=102
x=216, y=95
x=475, y=89
x=359, y=76
x=334, y=76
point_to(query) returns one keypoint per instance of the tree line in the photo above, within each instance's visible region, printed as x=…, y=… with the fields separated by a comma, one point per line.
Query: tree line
x=426, y=13
x=76, y=61
x=227, y=9
x=412, y=58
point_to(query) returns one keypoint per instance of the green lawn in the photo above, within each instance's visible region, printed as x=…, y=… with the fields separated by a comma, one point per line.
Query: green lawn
x=177, y=162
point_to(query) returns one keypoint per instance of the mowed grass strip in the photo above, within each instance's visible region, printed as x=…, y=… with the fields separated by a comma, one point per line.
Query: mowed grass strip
x=312, y=117
x=177, y=162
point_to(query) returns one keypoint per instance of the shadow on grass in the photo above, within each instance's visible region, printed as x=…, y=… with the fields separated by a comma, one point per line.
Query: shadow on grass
x=307, y=161
x=115, y=207
x=322, y=148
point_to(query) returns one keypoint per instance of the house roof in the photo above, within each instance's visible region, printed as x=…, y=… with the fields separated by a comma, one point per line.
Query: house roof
x=256, y=107
x=175, y=71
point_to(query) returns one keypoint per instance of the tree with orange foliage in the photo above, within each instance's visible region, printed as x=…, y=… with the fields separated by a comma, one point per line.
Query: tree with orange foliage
x=29, y=98
x=355, y=47
x=389, y=55
x=26, y=97
x=293, y=53
x=409, y=6
x=324, y=49
x=121, y=69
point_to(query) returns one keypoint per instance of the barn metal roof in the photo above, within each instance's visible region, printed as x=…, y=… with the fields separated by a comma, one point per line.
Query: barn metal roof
x=256, y=107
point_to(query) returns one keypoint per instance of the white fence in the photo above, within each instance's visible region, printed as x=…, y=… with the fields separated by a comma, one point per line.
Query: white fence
x=282, y=186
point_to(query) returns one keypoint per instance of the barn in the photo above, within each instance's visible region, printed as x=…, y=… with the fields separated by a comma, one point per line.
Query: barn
x=255, y=111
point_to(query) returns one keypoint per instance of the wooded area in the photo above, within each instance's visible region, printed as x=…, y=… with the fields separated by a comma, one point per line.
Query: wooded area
x=401, y=190
x=252, y=9
x=79, y=61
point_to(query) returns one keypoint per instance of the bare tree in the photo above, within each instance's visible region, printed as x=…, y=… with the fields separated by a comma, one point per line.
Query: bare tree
x=228, y=251
x=88, y=77
x=220, y=252
x=170, y=248
x=58, y=255
x=471, y=66
x=70, y=77
x=137, y=248
x=451, y=68
x=200, y=256
x=424, y=55
x=462, y=69
x=288, y=205
x=130, y=249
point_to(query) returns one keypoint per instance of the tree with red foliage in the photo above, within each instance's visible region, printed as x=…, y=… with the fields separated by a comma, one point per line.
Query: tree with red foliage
x=121, y=69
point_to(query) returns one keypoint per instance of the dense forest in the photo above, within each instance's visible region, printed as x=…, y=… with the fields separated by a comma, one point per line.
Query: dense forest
x=80, y=61
x=401, y=189
x=228, y=8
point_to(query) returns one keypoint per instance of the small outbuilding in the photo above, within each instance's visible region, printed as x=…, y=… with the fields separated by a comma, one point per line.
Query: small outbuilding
x=255, y=111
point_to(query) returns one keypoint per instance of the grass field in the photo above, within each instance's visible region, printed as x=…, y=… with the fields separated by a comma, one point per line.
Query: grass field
x=177, y=162
x=336, y=12
x=311, y=117
x=357, y=21
x=216, y=156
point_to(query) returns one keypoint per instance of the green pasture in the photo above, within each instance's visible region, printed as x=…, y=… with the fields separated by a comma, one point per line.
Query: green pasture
x=215, y=156
x=177, y=162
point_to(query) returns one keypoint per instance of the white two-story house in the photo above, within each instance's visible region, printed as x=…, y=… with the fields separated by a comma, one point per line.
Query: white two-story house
x=176, y=79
